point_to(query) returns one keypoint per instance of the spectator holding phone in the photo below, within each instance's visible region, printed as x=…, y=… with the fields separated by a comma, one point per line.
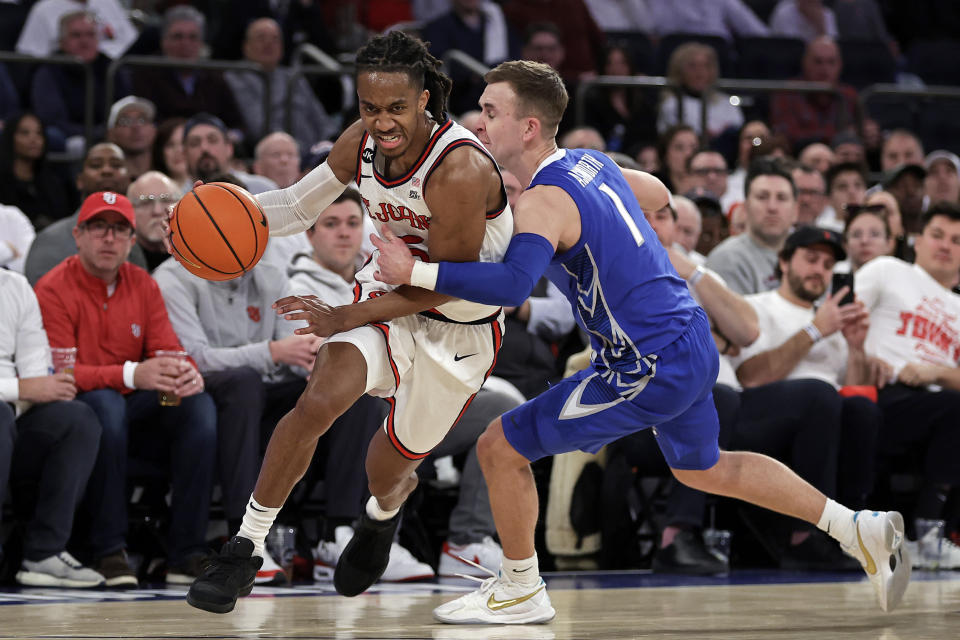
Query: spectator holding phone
x=799, y=340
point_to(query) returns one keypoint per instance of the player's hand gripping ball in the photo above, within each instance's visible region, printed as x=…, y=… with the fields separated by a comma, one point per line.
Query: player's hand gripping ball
x=218, y=231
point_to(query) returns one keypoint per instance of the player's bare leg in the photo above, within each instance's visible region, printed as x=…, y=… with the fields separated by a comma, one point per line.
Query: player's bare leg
x=337, y=380
x=513, y=492
x=391, y=478
x=872, y=537
x=518, y=595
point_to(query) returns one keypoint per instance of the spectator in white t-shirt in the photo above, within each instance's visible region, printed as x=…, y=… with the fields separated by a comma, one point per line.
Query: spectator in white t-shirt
x=915, y=329
x=800, y=340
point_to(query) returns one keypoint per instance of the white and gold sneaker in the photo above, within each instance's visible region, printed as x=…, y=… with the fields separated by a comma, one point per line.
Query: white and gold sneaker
x=499, y=601
x=880, y=550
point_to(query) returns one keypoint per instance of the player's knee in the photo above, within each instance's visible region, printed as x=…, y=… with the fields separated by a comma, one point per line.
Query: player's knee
x=495, y=451
x=317, y=409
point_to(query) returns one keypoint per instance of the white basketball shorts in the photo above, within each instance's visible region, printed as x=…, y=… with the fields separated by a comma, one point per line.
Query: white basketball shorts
x=428, y=369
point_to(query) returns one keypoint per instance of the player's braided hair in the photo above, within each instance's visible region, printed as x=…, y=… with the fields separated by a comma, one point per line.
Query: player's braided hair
x=397, y=51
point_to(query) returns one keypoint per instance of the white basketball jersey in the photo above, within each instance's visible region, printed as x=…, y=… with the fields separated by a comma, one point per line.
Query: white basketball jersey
x=399, y=203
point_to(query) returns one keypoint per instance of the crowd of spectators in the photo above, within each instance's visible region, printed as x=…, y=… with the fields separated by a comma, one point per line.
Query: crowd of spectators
x=774, y=191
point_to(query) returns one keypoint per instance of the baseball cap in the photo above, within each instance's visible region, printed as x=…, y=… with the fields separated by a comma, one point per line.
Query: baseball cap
x=942, y=154
x=205, y=118
x=97, y=203
x=130, y=101
x=901, y=170
x=808, y=236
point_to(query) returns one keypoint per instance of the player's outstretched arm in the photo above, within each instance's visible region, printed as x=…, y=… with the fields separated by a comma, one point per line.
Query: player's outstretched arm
x=544, y=219
x=297, y=207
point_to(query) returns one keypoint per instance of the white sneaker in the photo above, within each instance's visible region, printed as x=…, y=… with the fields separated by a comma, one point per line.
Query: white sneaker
x=327, y=553
x=882, y=554
x=486, y=553
x=933, y=552
x=949, y=554
x=270, y=573
x=499, y=601
x=402, y=566
x=61, y=570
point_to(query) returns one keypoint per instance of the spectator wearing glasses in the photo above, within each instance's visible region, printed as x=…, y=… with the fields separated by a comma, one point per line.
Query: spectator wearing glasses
x=113, y=312
x=131, y=127
x=58, y=92
x=709, y=170
x=152, y=195
x=183, y=92
x=104, y=169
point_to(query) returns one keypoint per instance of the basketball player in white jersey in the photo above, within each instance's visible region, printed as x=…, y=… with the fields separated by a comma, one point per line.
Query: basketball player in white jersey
x=435, y=186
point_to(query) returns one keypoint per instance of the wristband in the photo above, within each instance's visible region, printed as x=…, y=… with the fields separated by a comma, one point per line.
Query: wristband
x=813, y=332
x=694, y=277
x=128, y=371
x=424, y=274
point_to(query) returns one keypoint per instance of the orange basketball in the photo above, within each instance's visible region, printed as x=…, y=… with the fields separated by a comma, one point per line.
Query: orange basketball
x=218, y=231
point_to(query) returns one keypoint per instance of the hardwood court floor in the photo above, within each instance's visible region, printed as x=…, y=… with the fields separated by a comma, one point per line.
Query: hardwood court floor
x=586, y=608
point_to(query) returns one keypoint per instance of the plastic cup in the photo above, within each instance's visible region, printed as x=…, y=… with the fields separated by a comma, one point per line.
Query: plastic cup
x=64, y=359
x=169, y=398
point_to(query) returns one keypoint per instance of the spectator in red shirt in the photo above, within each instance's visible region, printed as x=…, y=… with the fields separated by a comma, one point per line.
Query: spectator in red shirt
x=817, y=117
x=113, y=312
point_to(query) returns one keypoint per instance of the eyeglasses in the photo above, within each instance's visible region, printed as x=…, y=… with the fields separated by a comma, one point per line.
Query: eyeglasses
x=810, y=192
x=854, y=209
x=99, y=229
x=705, y=171
x=150, y=199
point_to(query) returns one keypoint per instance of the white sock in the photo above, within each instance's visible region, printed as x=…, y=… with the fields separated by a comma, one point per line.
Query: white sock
x=375, y=512
x=837, y=521
x=256, y=524
x=525, y=572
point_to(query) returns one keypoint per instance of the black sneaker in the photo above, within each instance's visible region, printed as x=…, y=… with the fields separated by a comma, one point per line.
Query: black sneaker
x=366, y=556
x=688, y=554
x=227, y=577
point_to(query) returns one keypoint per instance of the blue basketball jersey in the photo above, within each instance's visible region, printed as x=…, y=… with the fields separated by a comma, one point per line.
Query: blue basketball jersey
x=618, y=277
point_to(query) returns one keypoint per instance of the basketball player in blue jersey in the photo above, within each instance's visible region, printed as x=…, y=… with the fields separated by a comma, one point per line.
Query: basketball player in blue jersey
x=580, y=221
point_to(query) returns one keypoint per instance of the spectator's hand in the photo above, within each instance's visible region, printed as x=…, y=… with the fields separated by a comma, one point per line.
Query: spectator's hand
x=296, y=351
x=58, y=386
x=831, y=317
x=918, y=375
x=879, y=372
x=189, y=383
x=855, y=329
x=322, y=319
x=159, y=374
x=395, y=262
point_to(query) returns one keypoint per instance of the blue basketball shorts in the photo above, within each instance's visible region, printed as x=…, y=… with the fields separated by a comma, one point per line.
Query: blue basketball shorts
x=586, y=411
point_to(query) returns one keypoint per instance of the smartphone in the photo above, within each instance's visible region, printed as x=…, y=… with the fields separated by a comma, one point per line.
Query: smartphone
x=841, y=280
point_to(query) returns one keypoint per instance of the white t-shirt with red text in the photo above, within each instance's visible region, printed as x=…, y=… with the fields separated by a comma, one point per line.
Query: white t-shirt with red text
x=913, y=318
